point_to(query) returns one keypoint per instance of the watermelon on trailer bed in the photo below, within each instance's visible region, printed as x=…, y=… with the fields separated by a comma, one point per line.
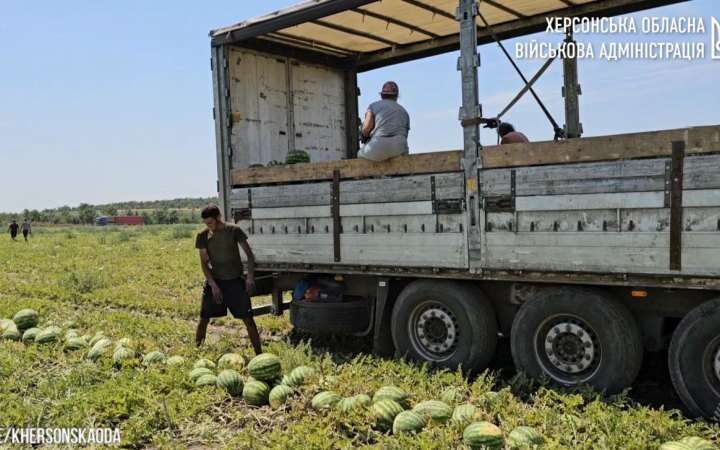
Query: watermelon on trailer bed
x=265, y=367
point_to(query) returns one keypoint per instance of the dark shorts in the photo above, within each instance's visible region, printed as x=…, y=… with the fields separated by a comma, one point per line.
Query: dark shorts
x=25, y=233
x=13, y=234
x=235, y=298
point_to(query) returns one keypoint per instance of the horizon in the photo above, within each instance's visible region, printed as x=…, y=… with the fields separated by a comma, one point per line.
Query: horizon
x=124, y=109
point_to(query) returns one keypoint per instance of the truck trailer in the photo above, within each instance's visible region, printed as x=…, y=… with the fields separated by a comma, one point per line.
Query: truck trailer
x=584, y=252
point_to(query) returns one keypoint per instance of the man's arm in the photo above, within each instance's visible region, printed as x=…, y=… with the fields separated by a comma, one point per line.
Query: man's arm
x=368, y=126
x=205, y=265
x=250, y=280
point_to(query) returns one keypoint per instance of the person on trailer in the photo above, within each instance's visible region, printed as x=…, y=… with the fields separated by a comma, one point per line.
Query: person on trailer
x=225, y=288
x=26, y=229
x=508, y=135
x=13, y=229
x=386, y=126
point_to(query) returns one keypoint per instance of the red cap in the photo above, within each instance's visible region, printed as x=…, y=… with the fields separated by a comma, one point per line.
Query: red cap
x=390, y=88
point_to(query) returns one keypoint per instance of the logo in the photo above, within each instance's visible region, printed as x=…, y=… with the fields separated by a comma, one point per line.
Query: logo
x=715, y=49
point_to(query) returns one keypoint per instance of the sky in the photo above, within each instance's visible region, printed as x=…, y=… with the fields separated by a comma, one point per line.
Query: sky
x=109, y=101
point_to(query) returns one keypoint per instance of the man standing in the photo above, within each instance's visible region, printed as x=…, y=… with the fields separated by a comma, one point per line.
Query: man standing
x=225, y=287
x=13, y=229
x=510, y=136
x=26, y=229
x=386, y=127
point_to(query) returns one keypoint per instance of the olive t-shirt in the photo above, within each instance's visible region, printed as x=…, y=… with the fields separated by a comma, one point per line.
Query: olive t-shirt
x=222, y=247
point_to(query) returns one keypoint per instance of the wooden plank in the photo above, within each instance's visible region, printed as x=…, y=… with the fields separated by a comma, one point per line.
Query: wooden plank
x=701, y=197
x=366, y=209
x=701, y=172
x=604, y=148
x=590, y=201
x=422, y=163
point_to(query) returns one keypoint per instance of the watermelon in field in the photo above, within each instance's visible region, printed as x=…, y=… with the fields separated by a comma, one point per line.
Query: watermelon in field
x=689, y=443
x=98, y=336
x=355, y=402
x=206, y=380
x=434, y=410
x=30, y=334
x=325, y=400
x=408, y=422
x=70, y=334
x=198, y=372
x=11, y=332
x=483, y=435
x=26, y=318
x=231, y=361
x=48, y=334
x=4, y=323
x=99, y=348
x=490, y=398
x=122, y=354
x=154, y=357
x=230, y=380
x=391, y=393
x=384, y=411
x=75, y=344
x=175, y=361
x=265, y=367
x=452, y=396
x=299, y=376
x=464, y=415
x=675, y=445
x=255, y=392
x=204, y=362
x=279, y=395
x=523, y=437
x=124, y=342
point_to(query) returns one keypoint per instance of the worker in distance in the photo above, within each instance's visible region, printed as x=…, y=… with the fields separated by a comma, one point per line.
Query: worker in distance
x=386, y=126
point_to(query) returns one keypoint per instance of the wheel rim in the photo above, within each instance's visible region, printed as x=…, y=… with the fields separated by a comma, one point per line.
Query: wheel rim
x=711, y=366
x=433, y=331
x=568, y=349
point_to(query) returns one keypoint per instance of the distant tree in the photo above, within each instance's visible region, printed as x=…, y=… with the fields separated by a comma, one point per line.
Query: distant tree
x=147, y=218
x=110, y=210
x=86, y=213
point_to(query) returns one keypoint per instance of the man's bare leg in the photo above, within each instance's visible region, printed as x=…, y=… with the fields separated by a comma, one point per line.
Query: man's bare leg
x=253, y=334
x=201, y=331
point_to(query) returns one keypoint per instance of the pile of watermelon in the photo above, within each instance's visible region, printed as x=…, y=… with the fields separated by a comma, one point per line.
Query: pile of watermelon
x=297, y=157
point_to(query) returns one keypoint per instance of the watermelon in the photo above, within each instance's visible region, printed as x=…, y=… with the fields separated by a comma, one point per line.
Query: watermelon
x=522, y=437
x=47, y=335
x=203, y=362
x=124, y=342
x=698, y=443
x=231, y=361
x=255, y=392
x=299, y=376
x=175, y=361
x=74, y=344
x=70, y=334
x=452, y=396
x=121, y=354
x=297, y=156
x=70, y=324
x=279, y=395
x=676, y=445
x=391, y=393
x=198, y=372
x=265, y=367
x=99, y=335
x=230, y=380
x=154, y=357
x=434, y=410
x=4, y=323
x=325, y=400
x=408, y=422
x=464, y=415
x=355, y=402
x=25, y=318
x=206, y=380
x=384, y=411
x=99, y=348
x=30, y=334
x=483, y=435
x=11, y=332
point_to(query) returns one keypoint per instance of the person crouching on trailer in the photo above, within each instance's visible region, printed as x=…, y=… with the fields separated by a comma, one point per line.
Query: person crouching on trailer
x=386, y=126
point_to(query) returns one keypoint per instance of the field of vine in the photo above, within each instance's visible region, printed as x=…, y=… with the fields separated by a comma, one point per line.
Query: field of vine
x=144, y=284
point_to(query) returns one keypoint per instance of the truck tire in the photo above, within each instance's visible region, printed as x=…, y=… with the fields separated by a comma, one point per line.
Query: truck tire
x=330, y=318
x=576, y=336
x=694, y=360
x=445, y=323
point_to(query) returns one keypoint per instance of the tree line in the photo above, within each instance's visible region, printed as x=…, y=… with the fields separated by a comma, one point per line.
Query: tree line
x=180, y=210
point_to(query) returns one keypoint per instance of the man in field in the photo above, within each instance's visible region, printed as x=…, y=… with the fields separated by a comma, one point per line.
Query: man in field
x=219, y=246
x=510, y=136
x=26, y=229
x=13, y=229
x=386, y=126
